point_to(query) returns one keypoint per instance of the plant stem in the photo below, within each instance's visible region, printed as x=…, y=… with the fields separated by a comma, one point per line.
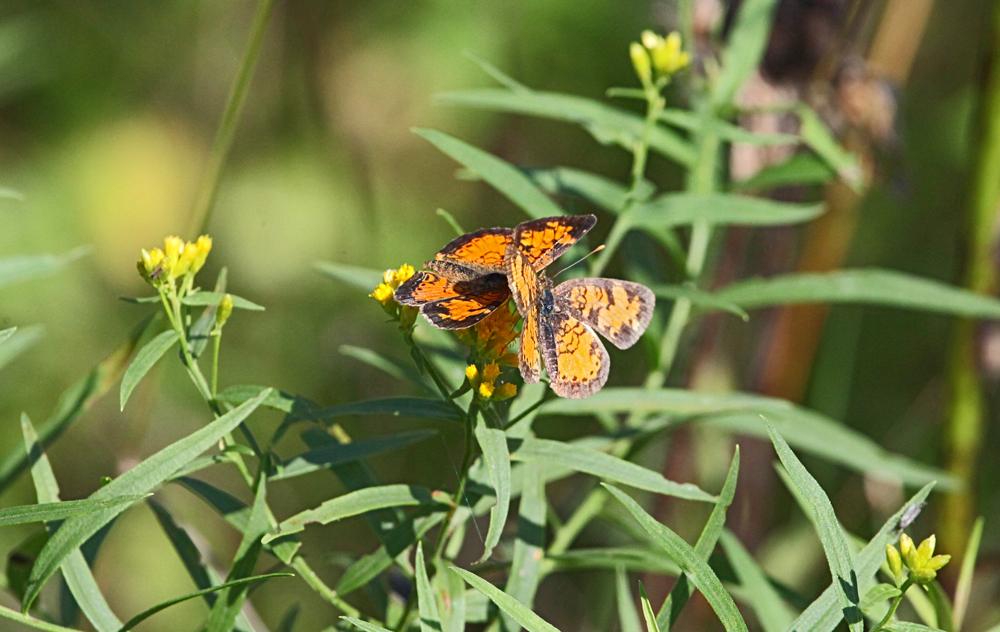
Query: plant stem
x=201, y=215
x=456, y=499
x=216, y=343
x=310, y=577
x=892, y=607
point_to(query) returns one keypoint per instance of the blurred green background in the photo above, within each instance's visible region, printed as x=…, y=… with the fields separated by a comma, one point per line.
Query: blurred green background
x=107, y=112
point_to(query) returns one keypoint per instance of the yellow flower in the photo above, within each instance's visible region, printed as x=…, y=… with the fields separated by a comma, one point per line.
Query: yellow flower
x=173, y=247
x=505, y=391
x=224, y=311
x=405, y=272
x=663, y=54
x=492, y=336
x=201, y=248
x=486, y=390
x=895, y=563
x=491, y=372
x=472, y=373
x=641, y=63
x=383, y=294
x=921, y=561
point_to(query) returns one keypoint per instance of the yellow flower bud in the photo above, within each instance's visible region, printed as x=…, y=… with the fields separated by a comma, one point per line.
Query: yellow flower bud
x=388, y=276
x=505, y=391
x=405, y=272
x=895, y=562
x=668, y=57
x=383, y=294
x=188, y=253
x=472, y=373
x=224, y=310
x=491, y=372
x=651, y=40
x=486, y=390
x=201, y=249
x=926, y=550
x=937, y=562
x=172, y=248
x=908, y=551
x=641, y=62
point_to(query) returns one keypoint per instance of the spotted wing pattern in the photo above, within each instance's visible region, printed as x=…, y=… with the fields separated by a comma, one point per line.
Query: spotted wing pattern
x=543, y=240
x=619, y=310
x=454, y=304
x=576, y=361
x=527, y=355
x=425, y=287
x=483, y=249
x=464, y=311
x=522, y=279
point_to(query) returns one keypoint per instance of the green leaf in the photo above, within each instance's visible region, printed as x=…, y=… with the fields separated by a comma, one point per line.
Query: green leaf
x=327, y=456
x=602, y=465
x=828, y=528
x=241, y=393
x=451, y=598
x=701, y=298
x=200, y=332
x=361, y=278
x=422, y=407
x=628, y=557
x=14, y=342
x=358, y=502
x=227, y=607
x=214, y=298
x=907, y=626
x=392, y=367
x=681, y=592
x=604, y=192
x=820, y=140
x=430, y=620
x=75, y=401
x=529, y=548
x=963, y=589
x=16, y=269
x=805, y=429
x=141, y=479
x=607, y=124
x=186, y=550
x=628, y=616
x=825, y=612
x=144, y=361
x=866, y=286
x=32, y=622
x=678, y=209
x=76, y=572
x=745, y=48
x=493, y=443
x=692, y=122
x=142, y=616
x=693, y=565
x=520, y=613
x=364, y=625
x=772, y=613
x=501, y=175
x=58, y=510
x=647, y=611
x=800, y=169
x=877, y=594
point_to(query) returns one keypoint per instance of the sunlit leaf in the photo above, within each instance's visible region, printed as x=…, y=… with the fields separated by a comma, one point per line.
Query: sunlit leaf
x=241, y=393
x=747, y=41
x=214, y=298
x=801, y=169
x=628, y=616
x=360, y=278
x=364, y=625
x=32, y=622
x=529, y=548
x=144, y=361
x=604, y=192
x=58, y=510
x=647, y=611
x=907, y=626
x=493, y=443
x=693, y=122
x=517, y=611
x=16, y=269
x=15, y=341
x=701, y=298
x=608, y=558
x=772, y=613
x=430, y=620
x=877, y=594
x=963, y=589
x=327, y=456
x=678, y=209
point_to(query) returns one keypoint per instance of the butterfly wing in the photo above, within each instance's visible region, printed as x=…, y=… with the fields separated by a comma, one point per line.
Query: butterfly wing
x=527, y=355
x=543, y=240
x=523, y=281
x=482, y=250
x=575, y=359
x=451, y=304
x=619, y=310
x=425, y=287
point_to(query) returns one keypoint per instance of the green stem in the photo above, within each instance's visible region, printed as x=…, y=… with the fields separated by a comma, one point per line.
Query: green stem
x=324, y=591
x=892, y=607
x=456, y=499
x=204, y=205
x=216, y=344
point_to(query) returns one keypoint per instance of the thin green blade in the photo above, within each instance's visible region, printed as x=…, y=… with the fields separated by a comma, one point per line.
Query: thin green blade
x=144, y=361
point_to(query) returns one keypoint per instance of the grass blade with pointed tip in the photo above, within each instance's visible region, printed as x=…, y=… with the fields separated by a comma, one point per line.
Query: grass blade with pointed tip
x=628, y=616
x=144, y=361
x=141, y=479
x=493, y=443
x=364, y=625
x=76, y=572
x=609, y=558
x=242, y=392
x=523, y=615
x=602, y=465
x=364, y=279
x=58, y=510
x=681, y=209
x=199, y=299
x=452, y=599
x=430, y=620
x=15, y=341
x=745, y=48
x=355, y=503
x=327, y=456
x=647, y=611
x=529, y=548
x=772, y=612
x=828, y=528
x=963, y=589
x=501, y=175
x=32, y=622
x=862, y=286
x=694, y=566
x=142, y=616
x=16, y=269
x=681, y=592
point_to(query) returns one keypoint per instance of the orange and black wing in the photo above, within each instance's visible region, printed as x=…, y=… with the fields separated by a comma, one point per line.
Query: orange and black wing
x=527, y=356
x=425, y=287
x=482, y=250
x=450, y=304
x=619, y=310
x=543, y=240
x=522, y=279
x=576, y=361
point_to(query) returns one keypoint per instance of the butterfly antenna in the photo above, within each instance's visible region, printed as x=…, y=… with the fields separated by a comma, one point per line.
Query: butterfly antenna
x=594, y=251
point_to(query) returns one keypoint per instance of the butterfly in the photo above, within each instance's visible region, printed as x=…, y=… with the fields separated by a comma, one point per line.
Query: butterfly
x=560, y=322
x=467, y=280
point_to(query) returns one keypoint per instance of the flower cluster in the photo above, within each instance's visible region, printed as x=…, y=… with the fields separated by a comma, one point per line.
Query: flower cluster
x=923, y=565
x=485, y=382
x=662, y=55
x=178, y=259
x=492, y=336
x=385, y=294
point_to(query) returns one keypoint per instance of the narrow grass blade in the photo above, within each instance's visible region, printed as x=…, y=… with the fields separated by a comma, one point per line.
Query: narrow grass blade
x=501, y=175
x=681, y=592
x=76, y=400
x=288, y=621
x=801, y=169
x=364, y=625
x=241, y=393
x=79, y=578
x=603, y=192
x=186, y=551
x=389, y=366
x=324, y=457
x=358, y=502
x=693, y=122
x=142, y=616
x=964, y=587
x=214, y=298
x=681, y=209
x=828, y=528
x=15, y=341
x=647, y=611
x=877, y=594
x=816, y=135
x=493, y=443
x=58, y=510
x=529, y=548
x=602, y=465
x=226, y=608
x=422, y=407
x=628, y=616
x=430, y=620
x=32, y=622
x=16, y=269
x=864, y=286
x=700, y=298
x=608, y=125
x=630, y=558
x=694, y=566
x=745, y=48
x=144, y=361
x=520, y=613
x=907, y=626
x=141, y=479
x=397, y=542
x=364, y=279
x=772, y=612
x=451, y=602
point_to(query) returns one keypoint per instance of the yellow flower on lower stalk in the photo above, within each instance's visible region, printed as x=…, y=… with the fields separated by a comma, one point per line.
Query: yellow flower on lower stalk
x=492, y=336
x=385, y=294
x=485, y=382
